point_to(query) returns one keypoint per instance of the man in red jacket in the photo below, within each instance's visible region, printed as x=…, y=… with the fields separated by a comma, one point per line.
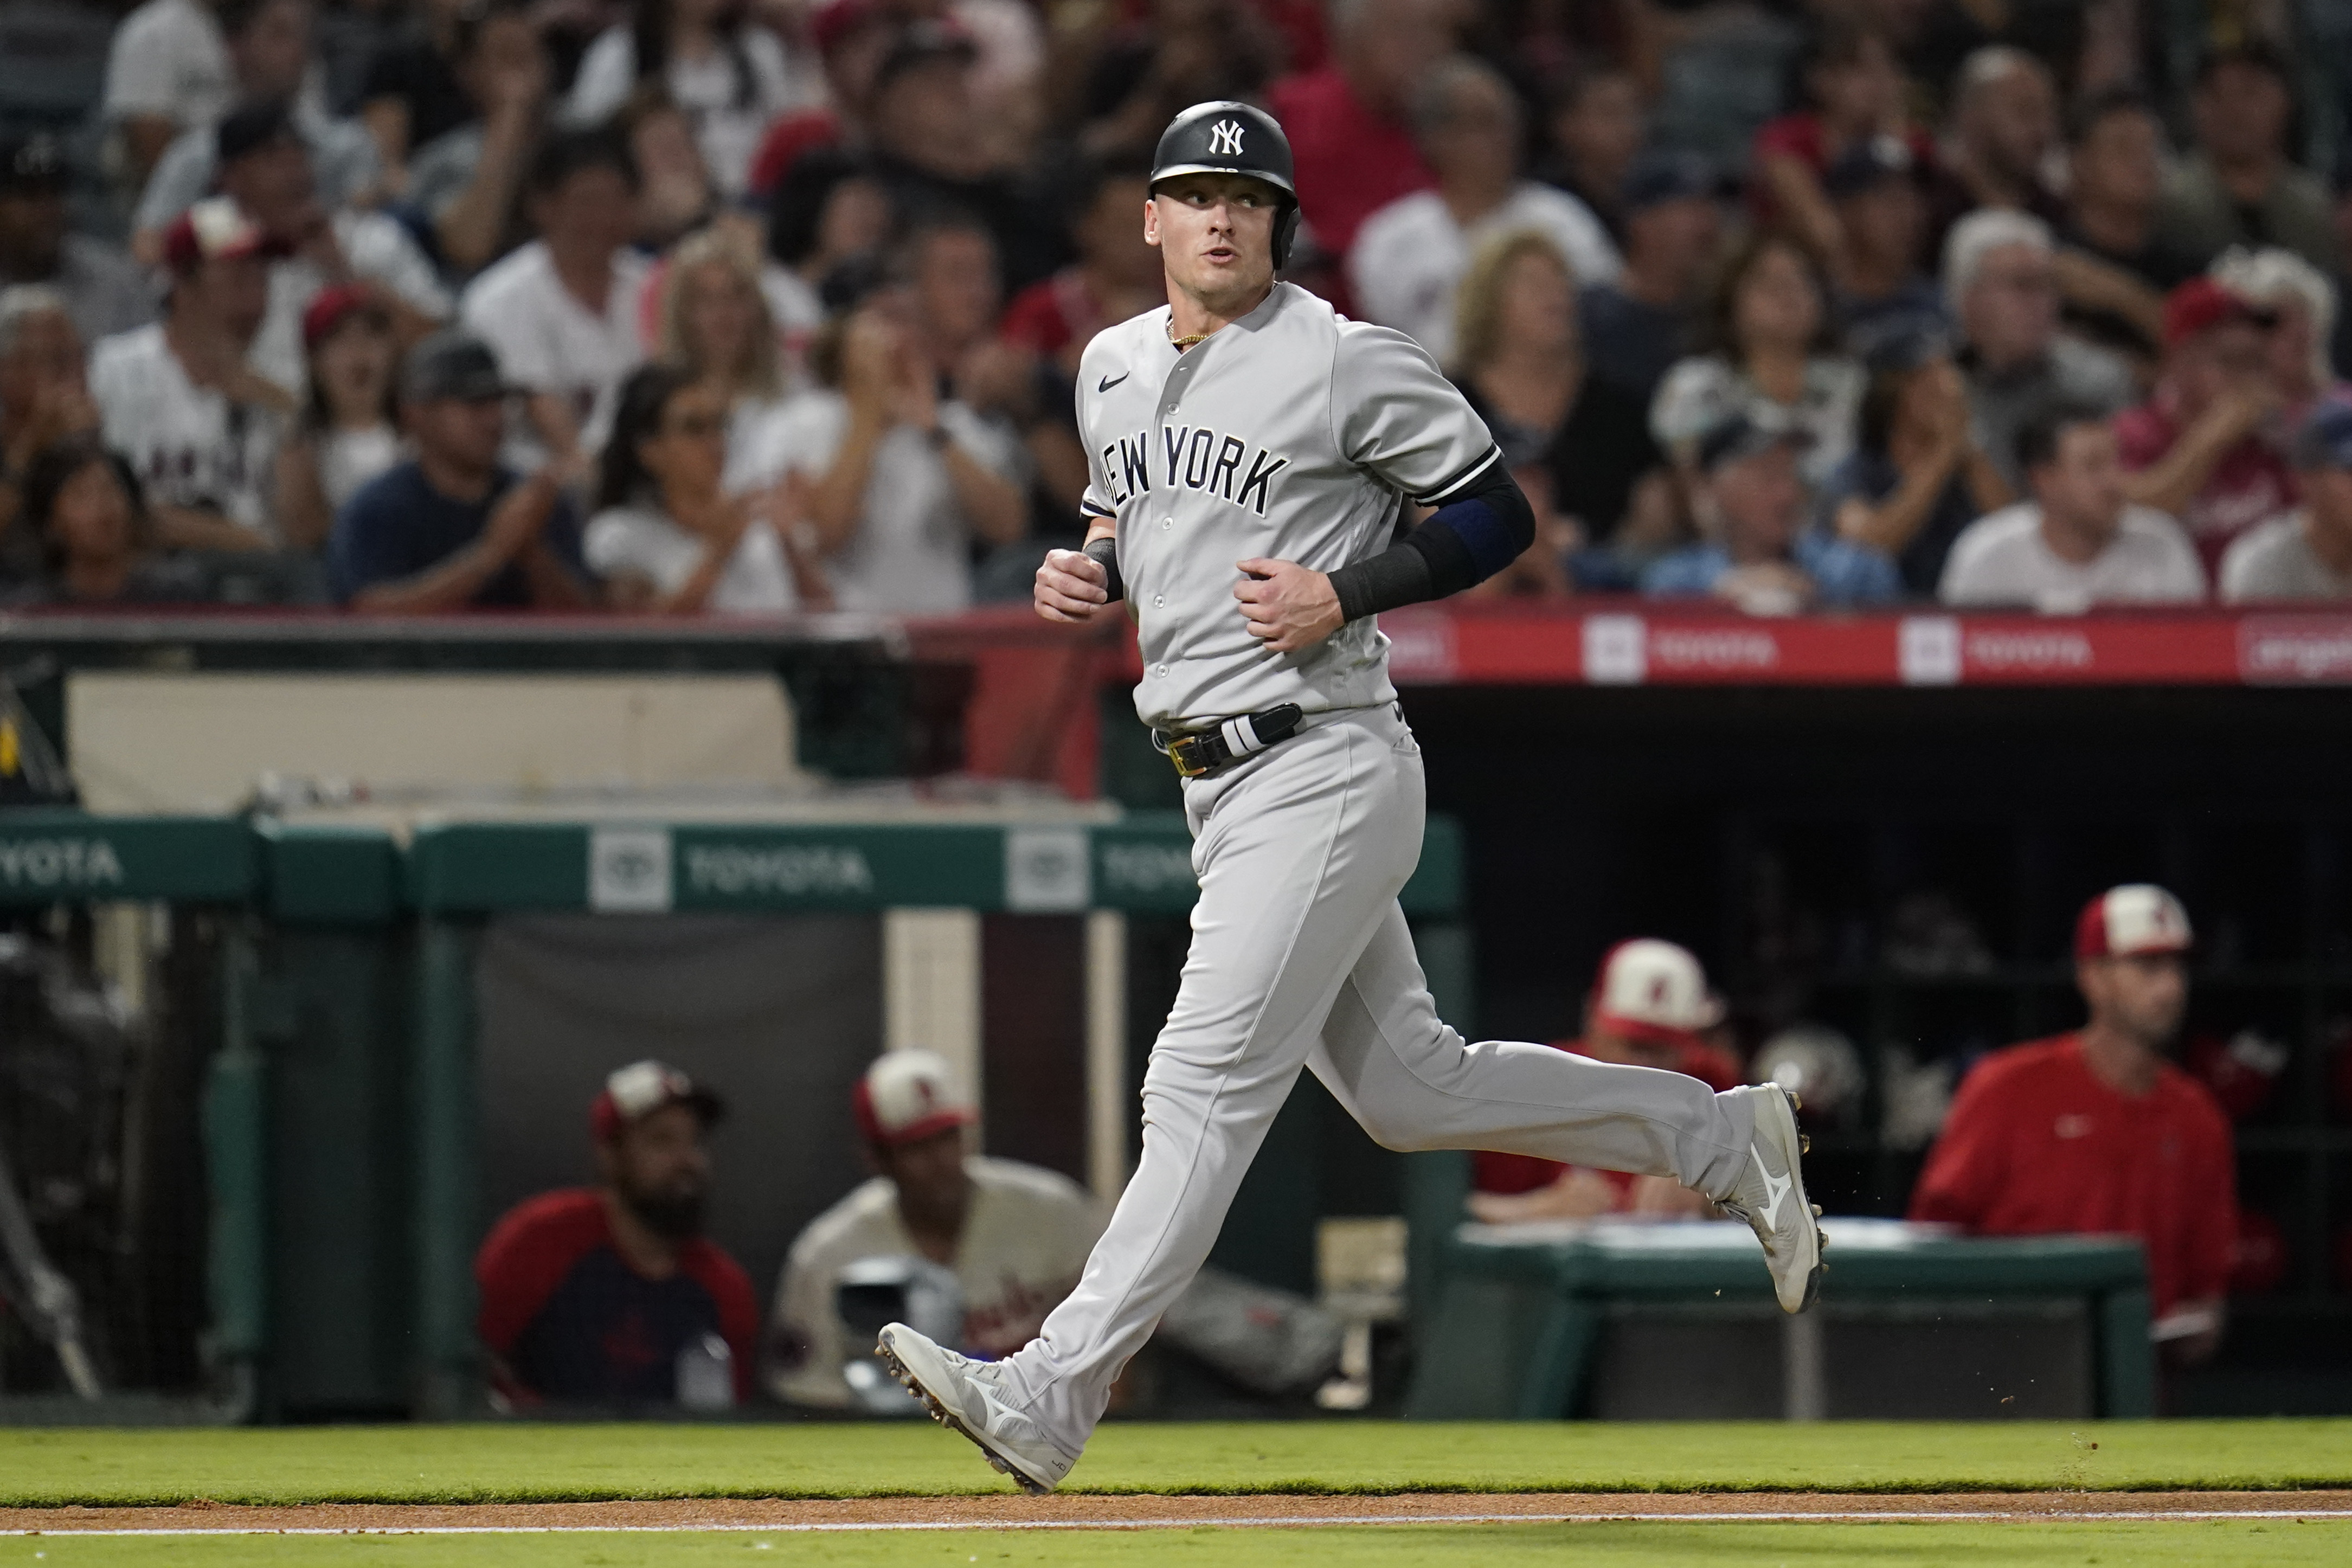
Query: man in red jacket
x=1350, y=134
x=611, y=1295
x=2095, y=1132
x=1650, y=1008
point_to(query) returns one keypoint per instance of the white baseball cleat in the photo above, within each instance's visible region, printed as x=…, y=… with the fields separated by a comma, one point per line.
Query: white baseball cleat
x=1771, y=1197
x=961, y=1395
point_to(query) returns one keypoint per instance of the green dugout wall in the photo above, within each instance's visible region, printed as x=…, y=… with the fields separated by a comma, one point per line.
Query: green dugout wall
x=928, y=882
x=300, y=1081
x=339, y=1112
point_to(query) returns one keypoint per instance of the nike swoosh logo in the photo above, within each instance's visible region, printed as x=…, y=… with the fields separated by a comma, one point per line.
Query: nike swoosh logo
x=1110, y=381
x=1776, y=1192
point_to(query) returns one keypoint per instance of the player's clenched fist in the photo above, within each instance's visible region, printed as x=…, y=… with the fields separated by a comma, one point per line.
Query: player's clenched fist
x=1289, y=606
x=1071, y=586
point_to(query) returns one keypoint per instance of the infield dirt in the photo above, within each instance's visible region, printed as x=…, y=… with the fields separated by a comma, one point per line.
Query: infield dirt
x=1147, y=1509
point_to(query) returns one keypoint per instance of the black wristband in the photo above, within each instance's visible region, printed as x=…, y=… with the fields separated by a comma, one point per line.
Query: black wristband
x=1397, y=576
x=1104, y=552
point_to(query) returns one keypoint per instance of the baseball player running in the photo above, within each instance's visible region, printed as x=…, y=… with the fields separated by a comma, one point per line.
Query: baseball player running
x=1252, y=456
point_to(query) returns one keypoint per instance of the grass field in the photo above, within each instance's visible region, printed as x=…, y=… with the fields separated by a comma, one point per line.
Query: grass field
x=482, y=1463
x=2220, y=1545
x=489, y=1462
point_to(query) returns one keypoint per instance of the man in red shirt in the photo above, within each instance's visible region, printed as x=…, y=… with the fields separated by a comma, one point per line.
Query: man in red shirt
x=611, y=1295
x=1350, y=131
x=1648, y=1008
x=2095, y=1132
x=1116, y=275
x=2207, y=446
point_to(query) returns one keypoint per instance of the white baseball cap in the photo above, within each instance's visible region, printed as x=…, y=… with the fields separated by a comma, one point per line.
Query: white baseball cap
x=635, y=1092
x=2138, y=917
x=906, y=1096
x=1654, y=990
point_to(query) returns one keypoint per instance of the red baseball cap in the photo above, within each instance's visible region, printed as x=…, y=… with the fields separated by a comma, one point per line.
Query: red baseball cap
x=2135, y=918
x=1652, y=990
x=2201, y=305
x=837, y=20
x=214, y=229
x=907, y=1096
x=637, y=1090
x=332, y=308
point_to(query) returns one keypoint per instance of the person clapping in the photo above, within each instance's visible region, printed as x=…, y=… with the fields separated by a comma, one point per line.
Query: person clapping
x=666, y=537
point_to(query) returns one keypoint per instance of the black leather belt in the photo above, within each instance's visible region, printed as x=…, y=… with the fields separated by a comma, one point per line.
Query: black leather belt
x=1200, y=752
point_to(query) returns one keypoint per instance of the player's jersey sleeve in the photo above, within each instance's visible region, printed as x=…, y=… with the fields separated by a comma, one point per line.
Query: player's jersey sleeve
x=1095, y=501
x=1394, y=414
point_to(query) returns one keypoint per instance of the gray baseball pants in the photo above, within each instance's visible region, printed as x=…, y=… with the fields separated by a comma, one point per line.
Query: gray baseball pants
x=1300, y=957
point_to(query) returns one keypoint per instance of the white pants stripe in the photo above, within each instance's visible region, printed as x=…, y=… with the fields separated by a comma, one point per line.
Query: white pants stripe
x=1300, y=957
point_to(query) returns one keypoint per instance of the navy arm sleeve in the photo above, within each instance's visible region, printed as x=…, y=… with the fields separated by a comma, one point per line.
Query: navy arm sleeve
x=1477, y=530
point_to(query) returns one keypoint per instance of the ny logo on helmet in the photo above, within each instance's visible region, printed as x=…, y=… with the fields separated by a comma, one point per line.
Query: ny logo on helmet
x=1226, y=139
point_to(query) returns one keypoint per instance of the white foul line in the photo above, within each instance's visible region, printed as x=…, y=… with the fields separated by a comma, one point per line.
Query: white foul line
x=1920, y=1516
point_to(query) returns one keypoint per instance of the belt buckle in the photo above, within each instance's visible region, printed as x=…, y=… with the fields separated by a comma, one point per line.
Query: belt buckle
x=1185, y=752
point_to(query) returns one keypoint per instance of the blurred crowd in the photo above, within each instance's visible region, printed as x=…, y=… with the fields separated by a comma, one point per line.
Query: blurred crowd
x=751, y=307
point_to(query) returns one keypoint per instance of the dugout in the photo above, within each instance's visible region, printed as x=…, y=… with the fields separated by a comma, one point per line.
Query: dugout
x=770, y=958
x=125, y=948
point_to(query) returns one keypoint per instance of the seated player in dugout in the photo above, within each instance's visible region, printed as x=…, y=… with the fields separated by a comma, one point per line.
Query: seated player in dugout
x=611, y=1296
x=1649, y=1007
x=2095, y=1132
x=1015, y=1235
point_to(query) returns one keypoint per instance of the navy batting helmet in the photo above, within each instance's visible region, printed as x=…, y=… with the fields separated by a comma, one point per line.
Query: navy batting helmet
x=1231, y=138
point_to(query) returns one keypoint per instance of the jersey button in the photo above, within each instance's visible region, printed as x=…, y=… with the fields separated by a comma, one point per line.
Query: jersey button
x=1166, y=523
x=1162, y=671
x=1157, y=600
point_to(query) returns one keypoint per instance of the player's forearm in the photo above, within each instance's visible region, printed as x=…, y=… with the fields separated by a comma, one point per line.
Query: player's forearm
x=1476, y=532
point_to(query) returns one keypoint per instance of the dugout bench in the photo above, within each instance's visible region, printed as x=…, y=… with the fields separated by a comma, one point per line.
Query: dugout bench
x=1646, y=1321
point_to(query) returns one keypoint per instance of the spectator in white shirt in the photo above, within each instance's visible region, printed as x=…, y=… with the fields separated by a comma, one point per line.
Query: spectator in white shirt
x=2078, y=542
x=346, y=434
x=2305, y=553
x=181, y=400
x=265, y=168
x=167, y=72
x=666, y=538
x=1409, y=257
x=1015, y=1238
x=562, y=311
x=902, y=480
x=725, y=71
x=1773, y=363
x=44, y=399
x=718, y=322
x=2001, y=281
x=270, y=46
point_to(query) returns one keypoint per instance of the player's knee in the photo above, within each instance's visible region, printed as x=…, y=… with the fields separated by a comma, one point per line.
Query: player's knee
x=1398, y=1134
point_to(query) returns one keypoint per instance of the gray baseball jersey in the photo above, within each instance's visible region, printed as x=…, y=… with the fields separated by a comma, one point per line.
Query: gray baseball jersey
x=1295, y=434
x=1292, y=434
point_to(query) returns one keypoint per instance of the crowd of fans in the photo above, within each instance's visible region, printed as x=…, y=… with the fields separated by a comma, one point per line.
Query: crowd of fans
x=746, y=307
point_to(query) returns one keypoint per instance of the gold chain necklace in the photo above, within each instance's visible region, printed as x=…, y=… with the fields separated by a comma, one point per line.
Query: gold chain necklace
x=1187, y=341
